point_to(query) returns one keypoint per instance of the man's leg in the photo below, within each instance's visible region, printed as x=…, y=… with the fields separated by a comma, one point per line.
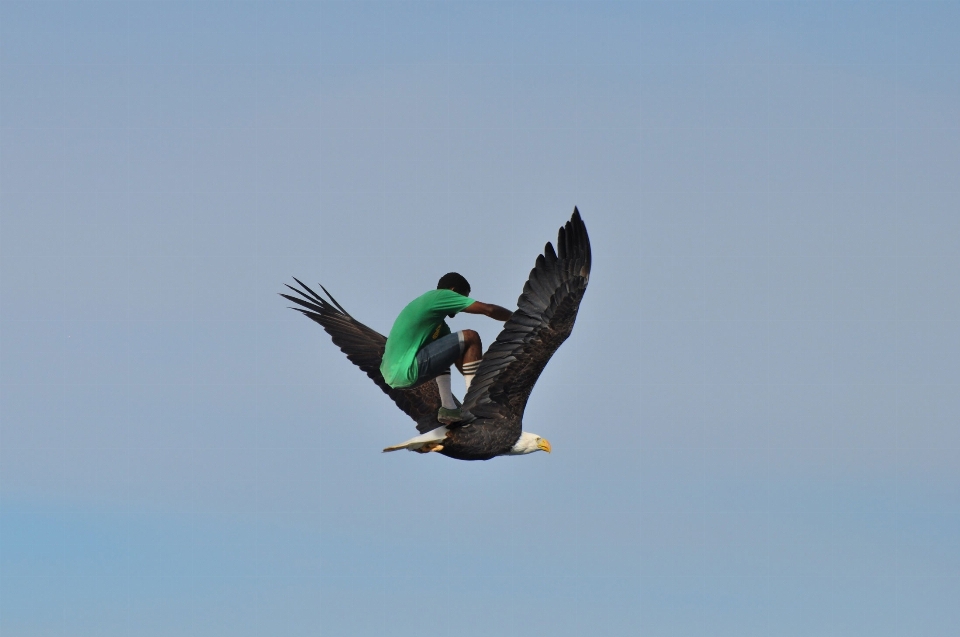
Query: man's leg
x=434, y=362
x=446, y=394
x=469, y=362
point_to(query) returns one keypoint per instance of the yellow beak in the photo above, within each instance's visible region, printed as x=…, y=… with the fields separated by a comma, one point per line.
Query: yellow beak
x=544, y=445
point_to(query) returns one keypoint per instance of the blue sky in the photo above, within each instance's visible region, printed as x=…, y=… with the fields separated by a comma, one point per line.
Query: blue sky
x=754, y=422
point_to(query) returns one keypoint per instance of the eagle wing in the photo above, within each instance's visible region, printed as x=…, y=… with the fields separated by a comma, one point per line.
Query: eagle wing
x=364, y=347
x=544, y=319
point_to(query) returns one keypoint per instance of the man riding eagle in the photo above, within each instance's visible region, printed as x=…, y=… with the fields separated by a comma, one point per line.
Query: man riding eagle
x=421, y=348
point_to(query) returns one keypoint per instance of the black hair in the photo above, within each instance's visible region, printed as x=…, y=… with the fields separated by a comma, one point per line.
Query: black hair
x=454, y=281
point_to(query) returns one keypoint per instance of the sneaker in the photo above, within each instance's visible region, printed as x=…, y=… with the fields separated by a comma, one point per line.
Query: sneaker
x=447, y=416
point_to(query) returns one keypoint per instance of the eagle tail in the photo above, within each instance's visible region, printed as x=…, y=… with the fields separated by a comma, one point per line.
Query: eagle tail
x=415, y=444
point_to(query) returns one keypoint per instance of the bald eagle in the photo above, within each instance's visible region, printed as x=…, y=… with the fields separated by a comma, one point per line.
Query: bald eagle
x=493, y=407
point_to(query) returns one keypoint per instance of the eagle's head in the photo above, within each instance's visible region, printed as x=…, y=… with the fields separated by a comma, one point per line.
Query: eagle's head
x=529, y=443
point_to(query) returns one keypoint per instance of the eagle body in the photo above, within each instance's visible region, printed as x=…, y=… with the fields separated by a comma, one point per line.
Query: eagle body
x=493, y=407
x=480, y=439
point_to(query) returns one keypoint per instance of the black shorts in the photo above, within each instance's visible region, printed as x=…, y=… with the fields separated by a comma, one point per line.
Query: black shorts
x=436, y=357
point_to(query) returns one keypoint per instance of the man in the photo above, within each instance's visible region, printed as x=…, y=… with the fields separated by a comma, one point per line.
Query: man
x=421, y=348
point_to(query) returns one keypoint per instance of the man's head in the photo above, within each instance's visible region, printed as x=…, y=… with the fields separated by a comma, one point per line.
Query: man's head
x=454, y=281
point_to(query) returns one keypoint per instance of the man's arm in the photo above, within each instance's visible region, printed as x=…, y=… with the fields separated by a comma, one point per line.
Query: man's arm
x=488, y=309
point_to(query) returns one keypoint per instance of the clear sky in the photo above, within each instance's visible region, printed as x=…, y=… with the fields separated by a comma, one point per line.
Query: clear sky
x=754, y=423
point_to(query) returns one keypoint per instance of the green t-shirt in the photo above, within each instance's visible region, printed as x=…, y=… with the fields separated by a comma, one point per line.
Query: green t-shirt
x=418, y=324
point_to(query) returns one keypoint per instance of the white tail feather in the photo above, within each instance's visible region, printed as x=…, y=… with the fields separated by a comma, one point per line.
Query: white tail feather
x=413, y=444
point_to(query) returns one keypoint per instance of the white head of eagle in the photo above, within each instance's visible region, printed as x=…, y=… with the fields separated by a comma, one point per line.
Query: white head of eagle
x=529, y=443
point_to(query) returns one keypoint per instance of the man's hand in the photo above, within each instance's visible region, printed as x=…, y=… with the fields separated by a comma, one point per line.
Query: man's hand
x=489, y=309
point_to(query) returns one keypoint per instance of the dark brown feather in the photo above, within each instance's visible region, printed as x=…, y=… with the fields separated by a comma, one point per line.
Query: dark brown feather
x=546, y=312
x=364, y=348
